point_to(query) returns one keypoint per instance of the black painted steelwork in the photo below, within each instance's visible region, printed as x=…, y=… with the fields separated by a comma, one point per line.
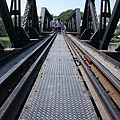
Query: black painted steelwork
x=105, y=14
x=91, y=29
x=90, y=20
x=74, y=20
x=90, y=25
x=104, y=17
x=30, y=19
x=46, y=19
x=94, y=16
x=8, y=21
x=95, y=23
x=84, y=21
x=111, y=26
x=20, y=35
x=15, y=13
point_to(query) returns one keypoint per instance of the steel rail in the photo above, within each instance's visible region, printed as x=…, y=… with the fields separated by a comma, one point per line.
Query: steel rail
x=10, y=79
x=15, y=53
x=15, y=93
x=109, y=104
x=113, y=79
x=14, y=68
x=106, y=72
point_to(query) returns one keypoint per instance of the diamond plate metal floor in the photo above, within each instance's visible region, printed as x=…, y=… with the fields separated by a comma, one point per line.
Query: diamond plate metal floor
x=59, y=92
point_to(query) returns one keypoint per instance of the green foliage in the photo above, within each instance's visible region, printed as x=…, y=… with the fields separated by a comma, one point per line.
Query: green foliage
x=4, y=38
x=117, y=33
x=2, y=29
x=81, y=14
x=114, y=40
x=65, y=15
x=56, y=17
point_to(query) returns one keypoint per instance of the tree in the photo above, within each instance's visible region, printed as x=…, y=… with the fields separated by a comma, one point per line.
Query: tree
x=117, y=33
x=2, y=29
x=65, y=15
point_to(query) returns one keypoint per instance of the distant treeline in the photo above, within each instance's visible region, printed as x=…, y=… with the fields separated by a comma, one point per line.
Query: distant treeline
x=65, y=15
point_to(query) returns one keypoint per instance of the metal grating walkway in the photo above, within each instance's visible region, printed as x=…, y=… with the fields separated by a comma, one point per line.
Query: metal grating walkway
x=59, y=92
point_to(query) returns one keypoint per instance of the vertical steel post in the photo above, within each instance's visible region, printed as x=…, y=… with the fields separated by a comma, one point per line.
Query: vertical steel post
x=111, y=26
x=5, y=14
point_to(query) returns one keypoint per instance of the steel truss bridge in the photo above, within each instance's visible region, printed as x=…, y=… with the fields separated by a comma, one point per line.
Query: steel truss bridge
x=60, y=76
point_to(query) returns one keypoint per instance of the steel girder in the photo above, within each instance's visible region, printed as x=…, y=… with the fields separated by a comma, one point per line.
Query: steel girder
x=30, y=19
x=46, y=19
x=111, y=26
x=15, y=13
x=91, y=29
x=85, y=17
x=73, y=22
x=5, y=14
x=90, y=20
x=17, y=32
x=28, y=28
x=105, y=14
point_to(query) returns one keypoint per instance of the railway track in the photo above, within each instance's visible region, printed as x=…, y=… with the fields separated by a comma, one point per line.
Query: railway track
x=15, y=87
x=10, y=55
x=104, y=82
x=103, y=87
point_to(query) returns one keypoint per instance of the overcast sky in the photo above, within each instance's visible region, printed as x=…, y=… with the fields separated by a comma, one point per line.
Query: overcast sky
x=55, y=7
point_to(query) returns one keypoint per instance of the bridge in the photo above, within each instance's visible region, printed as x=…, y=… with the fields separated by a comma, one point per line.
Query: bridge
x=67, y=76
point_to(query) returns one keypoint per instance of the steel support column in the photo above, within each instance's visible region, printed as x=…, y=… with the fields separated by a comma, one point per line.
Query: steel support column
x=105, y=13
x=5, y=14
x=99, y=30
x=88, y=22
x=111, y=26
x=78, y=20
x=15, y=13
x=30, y=20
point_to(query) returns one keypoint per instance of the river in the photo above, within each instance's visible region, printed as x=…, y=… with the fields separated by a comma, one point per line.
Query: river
x=7, y=44
x=112, y=46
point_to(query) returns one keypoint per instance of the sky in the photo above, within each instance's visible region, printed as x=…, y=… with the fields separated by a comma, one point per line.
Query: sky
x=56, y=7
